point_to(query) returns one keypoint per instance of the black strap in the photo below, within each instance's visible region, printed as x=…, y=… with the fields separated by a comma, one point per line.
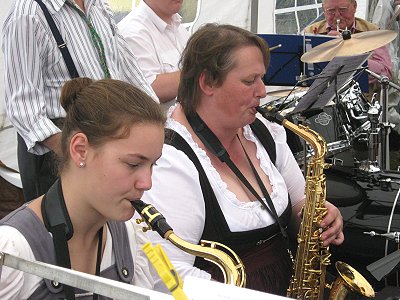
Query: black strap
x=265, y=137
x=98, y=259
x=212, y=143
x=60, y=42
x=57, y=221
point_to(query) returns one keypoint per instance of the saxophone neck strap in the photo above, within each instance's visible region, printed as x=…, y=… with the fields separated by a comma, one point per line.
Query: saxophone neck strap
x=57, y=221
x=213, y=144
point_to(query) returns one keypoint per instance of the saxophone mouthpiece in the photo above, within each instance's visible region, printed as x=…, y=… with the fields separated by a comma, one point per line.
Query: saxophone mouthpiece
x=153, y=218
x=271, y=114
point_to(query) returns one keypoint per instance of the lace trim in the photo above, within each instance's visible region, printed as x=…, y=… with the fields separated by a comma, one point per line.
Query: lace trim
x=209, y=168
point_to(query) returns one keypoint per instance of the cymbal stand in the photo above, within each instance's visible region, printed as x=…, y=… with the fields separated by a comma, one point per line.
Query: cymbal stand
x=385, y=125
x=371, y=166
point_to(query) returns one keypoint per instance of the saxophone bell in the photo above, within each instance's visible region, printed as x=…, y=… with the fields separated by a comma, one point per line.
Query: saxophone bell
x=228, y=261
x=349, y=282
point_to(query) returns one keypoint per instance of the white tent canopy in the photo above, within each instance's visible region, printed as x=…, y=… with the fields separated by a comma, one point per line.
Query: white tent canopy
x=261, y=16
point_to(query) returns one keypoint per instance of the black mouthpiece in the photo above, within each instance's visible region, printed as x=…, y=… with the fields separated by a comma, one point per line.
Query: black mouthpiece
x=270, y=115
x=261, y=110
x=152, y=217
x=138, y=205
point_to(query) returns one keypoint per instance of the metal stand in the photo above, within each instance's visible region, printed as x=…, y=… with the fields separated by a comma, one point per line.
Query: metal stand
x=385, y=125
x=91, y=283
x=372, y=165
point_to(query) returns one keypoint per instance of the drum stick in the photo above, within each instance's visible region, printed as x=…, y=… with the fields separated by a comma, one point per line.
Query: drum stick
x=275, y=47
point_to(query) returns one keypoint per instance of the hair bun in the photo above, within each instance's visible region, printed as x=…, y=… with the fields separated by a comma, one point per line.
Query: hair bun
x=71, y=89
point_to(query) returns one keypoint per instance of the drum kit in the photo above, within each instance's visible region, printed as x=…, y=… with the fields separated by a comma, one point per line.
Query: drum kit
x=359, y=182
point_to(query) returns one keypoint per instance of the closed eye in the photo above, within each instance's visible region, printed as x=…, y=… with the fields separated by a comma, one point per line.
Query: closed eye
x=132, y=166
x=249, y=82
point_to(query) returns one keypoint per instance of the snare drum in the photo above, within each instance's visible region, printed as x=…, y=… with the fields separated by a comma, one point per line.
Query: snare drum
x=328, y=124
x=353, y=109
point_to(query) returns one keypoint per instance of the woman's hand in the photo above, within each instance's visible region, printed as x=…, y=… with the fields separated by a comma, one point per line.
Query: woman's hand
x=332, y=224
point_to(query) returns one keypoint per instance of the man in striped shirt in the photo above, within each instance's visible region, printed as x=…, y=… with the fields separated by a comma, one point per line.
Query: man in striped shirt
x=35, y=72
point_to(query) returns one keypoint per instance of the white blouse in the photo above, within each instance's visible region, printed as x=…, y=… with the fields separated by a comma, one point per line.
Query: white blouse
x=16, y=284
x=177, y=194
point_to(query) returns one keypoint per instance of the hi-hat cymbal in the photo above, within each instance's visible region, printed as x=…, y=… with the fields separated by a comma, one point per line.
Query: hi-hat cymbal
x=287, y=92
x=358, y=43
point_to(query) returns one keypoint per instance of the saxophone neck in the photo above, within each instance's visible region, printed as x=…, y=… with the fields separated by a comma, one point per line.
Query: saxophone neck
x=316, y=141
x=229, y=263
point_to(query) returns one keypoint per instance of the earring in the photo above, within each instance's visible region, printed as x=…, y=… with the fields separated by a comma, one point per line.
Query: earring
x=82, y=164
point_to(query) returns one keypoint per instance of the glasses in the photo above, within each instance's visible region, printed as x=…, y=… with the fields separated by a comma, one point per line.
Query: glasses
x=340, y=10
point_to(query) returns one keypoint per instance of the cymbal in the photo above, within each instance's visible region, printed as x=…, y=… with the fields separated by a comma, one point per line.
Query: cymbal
x=358, y=43
x=287, y=92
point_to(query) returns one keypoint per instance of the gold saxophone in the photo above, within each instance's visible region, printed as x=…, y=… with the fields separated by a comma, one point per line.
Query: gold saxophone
x=312, y=258
x=228, y=261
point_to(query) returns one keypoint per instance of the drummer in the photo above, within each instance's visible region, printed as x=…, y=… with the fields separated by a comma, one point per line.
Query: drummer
x=340, y=15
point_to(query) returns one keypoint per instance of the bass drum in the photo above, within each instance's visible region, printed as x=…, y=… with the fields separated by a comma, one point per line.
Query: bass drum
x=365, y=202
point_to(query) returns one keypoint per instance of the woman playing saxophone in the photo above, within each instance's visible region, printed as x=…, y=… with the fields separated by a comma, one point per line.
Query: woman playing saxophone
x=217, y=178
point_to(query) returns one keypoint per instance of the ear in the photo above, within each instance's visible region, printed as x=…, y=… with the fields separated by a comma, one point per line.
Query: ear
x=78, y=148
x=206, y=87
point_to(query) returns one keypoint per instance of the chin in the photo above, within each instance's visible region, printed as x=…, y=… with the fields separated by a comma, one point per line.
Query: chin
x=125, y=215
x=250, y=119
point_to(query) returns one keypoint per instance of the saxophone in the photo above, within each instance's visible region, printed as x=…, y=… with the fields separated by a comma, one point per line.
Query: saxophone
x=228, y=261
x=312, y=258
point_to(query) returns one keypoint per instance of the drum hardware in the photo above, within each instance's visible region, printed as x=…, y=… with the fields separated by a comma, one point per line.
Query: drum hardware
x=334, y=161
x=371, y=165
x=395, y=236
x=384, y=124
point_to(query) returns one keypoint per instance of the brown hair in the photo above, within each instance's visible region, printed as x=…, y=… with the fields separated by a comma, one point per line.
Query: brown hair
x=211, y=49
x=103, y=110
x=350, y=1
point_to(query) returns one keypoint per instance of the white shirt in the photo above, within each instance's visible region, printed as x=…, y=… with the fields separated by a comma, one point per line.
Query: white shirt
x=35, y=69
x=15, y=284
x=156, y=44
x=176, y=193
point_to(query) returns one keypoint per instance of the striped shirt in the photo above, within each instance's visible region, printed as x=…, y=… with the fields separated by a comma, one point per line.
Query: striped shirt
x=35, y=69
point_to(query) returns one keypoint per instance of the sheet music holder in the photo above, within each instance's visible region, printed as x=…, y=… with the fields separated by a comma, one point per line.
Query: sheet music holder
x=285, y=63
x=339, y=70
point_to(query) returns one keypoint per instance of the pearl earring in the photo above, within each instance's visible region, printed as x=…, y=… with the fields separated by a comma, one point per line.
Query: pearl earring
x=82, y=164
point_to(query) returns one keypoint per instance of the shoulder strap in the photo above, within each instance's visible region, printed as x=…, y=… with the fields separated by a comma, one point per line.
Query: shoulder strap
x=57, y=221
x=60, y=42
x=265, y=137
x=174, y=139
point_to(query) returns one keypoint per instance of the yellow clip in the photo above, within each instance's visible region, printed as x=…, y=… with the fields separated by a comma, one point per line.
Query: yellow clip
x=165, y=270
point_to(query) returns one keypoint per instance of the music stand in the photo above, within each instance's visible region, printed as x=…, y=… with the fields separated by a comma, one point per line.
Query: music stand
x=286, y=66
x=325, y=88
x=285, y=63
x=385, y=266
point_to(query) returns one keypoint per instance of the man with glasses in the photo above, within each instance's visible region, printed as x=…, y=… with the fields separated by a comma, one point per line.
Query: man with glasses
x=340, y=15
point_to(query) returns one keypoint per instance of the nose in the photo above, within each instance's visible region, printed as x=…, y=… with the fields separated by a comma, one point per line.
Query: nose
x=144, y=182
x=260, y=89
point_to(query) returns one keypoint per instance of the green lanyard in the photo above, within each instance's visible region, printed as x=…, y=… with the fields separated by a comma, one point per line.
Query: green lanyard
x=95, y=39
